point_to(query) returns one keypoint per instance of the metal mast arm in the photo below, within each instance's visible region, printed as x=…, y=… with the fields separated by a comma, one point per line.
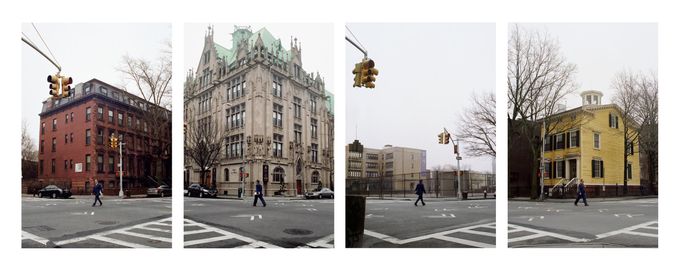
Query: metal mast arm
x=356, y=46
x=41, y=52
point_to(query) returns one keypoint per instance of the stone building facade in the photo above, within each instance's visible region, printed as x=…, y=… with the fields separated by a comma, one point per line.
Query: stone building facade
x=275, y=119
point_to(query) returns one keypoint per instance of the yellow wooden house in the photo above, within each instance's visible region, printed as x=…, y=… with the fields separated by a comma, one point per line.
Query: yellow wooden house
x=588, y=142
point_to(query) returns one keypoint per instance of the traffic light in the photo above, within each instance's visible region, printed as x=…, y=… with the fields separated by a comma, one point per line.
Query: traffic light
x=66, y=88
x=358, y=75
x=456, y=149
x=441, y=138
x=54, y=85
x=369, y=73
x=113, y=142
x=447, y=138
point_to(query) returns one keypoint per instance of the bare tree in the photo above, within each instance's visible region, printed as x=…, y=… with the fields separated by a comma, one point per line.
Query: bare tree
x=203, y=145
x=637, y=98
x=648, y=142
x=152, y=81
x=538, y=78
x=477, y=125
x=29, y=150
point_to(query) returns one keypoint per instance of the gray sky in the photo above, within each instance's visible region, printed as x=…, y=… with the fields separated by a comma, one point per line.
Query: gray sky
x=427, y=74
x=600, y=50
x=316, y=40
x=85, y=51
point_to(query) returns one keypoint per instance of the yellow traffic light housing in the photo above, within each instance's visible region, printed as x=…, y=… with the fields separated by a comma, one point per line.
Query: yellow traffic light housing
x=441, y=138
x=54, y=85
x=358, y=75
x=447, y=138
x=66, y=88
x=113, y=142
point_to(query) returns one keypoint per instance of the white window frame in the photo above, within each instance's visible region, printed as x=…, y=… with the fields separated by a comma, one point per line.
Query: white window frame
x=572, y=143
x=594, y=144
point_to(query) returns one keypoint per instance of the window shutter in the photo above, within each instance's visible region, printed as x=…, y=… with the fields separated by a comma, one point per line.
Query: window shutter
x=616, y=122
x=578, y=139
x=553, y=169
x=610, y=121
x=601, y=166
x=566, y=139
x=553, y=137
x=593, y=175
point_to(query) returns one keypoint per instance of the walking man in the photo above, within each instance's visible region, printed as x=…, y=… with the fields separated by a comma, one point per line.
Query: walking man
x=420, y=193
x=258, y=194
x=581, y=194
x=97, y=191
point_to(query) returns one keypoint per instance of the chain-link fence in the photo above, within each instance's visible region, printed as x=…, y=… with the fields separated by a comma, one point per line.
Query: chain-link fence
x=438, y=184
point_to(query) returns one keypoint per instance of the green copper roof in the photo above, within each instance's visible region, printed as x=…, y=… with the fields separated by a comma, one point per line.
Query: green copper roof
x=330, y=101
x=269, y=41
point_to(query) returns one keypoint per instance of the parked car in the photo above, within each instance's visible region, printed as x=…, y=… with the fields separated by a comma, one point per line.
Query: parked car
x=196, y=190
x=54, y=191
x=161, y=191
x=320, y=193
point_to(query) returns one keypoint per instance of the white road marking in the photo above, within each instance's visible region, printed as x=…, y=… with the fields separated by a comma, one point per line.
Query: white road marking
x=628, y=215
x=539, y=233
x=101, y=236
x=630, y=230
x=602, y=210
x=26, y=235
x=441, y=236
x=533, y=217
x=253, y=217
x=372, y=215
x=252, y=243
x=442, y=216
x=322, y=242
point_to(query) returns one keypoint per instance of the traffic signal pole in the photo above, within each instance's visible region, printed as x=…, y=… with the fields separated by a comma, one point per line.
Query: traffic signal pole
x=356, y=46
x=59, y=68
x=120, y=168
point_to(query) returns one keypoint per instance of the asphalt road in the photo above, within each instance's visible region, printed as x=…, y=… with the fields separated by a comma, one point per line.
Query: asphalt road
x=622, y=223
x=74, y=223
x=398, y=223
x=285, y=222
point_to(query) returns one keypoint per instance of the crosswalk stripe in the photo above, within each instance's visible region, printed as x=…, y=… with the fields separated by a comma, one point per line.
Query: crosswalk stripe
x=197, y=232
x=545, y=233
x=102, y=234
x=27, y=235
x=489, y=234
x=146, y=236
x=118, y=242
x=628, y=229
x=207, y=240
x=526, y=237
x=465, y=242
x=642, y=234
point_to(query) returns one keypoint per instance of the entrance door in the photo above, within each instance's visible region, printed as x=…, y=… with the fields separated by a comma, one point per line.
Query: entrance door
x=298, y=187
x=572, y=168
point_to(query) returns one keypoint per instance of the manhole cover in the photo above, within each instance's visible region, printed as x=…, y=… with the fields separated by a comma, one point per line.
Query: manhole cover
x=41, y=228
x=298, y=231
x=106, y=223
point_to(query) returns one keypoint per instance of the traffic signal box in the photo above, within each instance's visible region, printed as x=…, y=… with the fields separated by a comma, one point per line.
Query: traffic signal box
x=60, y=86
x=365, y=74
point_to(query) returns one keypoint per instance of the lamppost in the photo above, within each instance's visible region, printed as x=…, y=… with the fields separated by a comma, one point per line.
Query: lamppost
x=120, y=169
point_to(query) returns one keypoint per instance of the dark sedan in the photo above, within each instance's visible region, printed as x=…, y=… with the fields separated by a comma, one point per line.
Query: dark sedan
x=161, y=191
x=54, y=191
x=196, y=190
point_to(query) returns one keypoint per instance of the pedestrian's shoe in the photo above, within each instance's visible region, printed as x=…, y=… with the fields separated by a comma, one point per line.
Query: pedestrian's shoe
x=415, y=204
x=575, y=204
x=587, y=205
x=423, y=204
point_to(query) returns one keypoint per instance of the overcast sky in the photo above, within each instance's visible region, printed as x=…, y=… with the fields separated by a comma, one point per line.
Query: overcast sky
x=427, y=74
x=85, y=51
x=600, y=50
x=316, y=40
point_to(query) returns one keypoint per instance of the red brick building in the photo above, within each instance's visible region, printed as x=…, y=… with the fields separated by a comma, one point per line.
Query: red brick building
x=74, y=140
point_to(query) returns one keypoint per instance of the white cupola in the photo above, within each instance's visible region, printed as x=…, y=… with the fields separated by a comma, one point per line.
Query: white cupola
x=591, y=97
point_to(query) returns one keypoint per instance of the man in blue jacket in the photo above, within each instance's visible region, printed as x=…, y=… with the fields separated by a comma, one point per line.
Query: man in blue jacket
x=97, y=191
x=258, y=194
x=420, y=192
x=581, y=194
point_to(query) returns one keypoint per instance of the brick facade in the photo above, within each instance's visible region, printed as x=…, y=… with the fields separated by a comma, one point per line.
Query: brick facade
x=76, y=130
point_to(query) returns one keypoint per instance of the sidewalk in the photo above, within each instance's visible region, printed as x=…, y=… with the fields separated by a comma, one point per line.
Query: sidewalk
x=588, y=199
x=430, y=199
x=91, y=196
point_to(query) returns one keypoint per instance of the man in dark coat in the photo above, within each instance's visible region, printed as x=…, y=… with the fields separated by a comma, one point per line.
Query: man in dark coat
x=97, y=191
x=258, y=194
x=420, y=192
x=581, y=194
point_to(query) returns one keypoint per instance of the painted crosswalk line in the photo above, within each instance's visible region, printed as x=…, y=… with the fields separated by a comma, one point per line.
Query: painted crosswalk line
x=443, y=236
x=117, y=236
